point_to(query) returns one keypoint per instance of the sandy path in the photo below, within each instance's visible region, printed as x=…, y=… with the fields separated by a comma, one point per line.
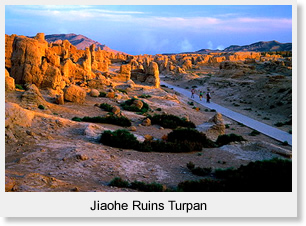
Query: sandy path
x=254, y=124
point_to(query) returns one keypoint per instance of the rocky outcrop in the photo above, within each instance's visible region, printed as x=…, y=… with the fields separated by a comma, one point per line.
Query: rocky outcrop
x=75, y=94
x=27, y=58
x=9, y=40
x=94, y=93
x=153, y=74
x=213, y=128
x=32, y=96
x=137, y=103
x=125, y=72
x=55, y=65
x=9, y=184
x=16, y=115
x=59, y=99
x=9, y=82
x=146, y=122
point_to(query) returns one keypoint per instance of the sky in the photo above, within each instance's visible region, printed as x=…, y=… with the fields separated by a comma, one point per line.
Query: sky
x=136, y=29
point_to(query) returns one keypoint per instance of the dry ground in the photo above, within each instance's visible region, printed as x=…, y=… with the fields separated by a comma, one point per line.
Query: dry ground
x=57, y=154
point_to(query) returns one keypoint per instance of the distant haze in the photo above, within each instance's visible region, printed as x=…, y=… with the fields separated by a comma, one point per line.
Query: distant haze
x=156, y=29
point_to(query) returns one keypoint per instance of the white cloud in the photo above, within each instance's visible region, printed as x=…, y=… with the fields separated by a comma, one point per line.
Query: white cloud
x=220, y=47
x=209, y=45
x=186, y=46
x=216, y=24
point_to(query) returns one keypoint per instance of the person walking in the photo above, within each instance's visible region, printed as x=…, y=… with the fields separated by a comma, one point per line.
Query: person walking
x=208, y=97
x=201, y=95
x=192, y=93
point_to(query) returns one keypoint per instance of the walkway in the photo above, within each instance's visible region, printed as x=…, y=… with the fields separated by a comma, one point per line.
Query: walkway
x=254, y=124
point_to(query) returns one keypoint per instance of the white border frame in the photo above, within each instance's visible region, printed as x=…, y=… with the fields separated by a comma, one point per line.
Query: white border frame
x=54, y=204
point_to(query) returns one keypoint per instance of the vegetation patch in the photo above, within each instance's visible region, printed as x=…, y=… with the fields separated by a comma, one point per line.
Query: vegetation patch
x=120, y=139
x=42, y=107
x=109, y=119
x=145, y=96
x=228, y=138
x=18, y=86
x=128, y=105
x=254, y=133
x=106, y=107
x=122, y=91
x=191, y=136
x=102, y=94
x=261, y=176
x=191, y=103
x=178, y=141
x=137, y=185
x=119, y=182
x=199, y=171
x=171, y=121
x=280, y=124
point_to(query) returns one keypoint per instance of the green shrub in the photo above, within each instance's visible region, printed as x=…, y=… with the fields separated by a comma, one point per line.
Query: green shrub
x=285, y=143
x=190, y=136
x=281, y=90
x=158, y=109
x=228, y=138
x=102, y=94
x=227, y=126
x=41, y=107
x=190, y=165
x=171, y=121
x=198, y=170
x=279, y=124
x=109, y=119
x=118, y=182
x=137, y=185
x=151, y=187
x=203, y=185
x=106, y=107
x=119, y=139
x=145, y=96
x=169, y=147
x=279, y=103
x=254, y=133
x=122, y=91
x=18, y=86
x=273, y=175
x=127, y=105
x=261, y=176
x=77, y=119
x=181, y=140
x=191, y=103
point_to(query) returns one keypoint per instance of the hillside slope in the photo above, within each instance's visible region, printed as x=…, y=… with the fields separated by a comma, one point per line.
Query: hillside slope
x=80, y=41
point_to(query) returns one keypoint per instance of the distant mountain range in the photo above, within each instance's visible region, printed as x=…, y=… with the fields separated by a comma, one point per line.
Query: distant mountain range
x=257, y=47
x=80, y=41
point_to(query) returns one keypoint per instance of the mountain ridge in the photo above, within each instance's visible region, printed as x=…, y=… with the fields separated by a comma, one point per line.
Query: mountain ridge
x=80, y=41
x=261, y=46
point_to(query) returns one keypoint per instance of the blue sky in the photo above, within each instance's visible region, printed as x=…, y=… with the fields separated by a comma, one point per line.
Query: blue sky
x=156, y=29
